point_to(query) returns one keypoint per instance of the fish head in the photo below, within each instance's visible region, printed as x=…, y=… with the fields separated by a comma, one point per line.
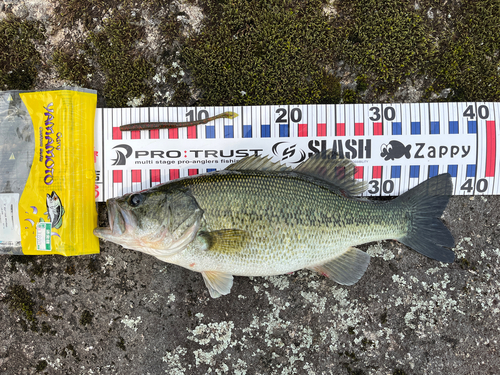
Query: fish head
x=158, y=221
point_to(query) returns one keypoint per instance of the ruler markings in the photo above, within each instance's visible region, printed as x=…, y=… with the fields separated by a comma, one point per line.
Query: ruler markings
x=434, y=131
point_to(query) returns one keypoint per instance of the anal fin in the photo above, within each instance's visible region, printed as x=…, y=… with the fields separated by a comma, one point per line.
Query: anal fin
x=347, y=268
x=218, y=283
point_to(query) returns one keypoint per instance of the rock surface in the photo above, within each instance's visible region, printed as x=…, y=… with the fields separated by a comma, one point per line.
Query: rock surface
x=123, y=312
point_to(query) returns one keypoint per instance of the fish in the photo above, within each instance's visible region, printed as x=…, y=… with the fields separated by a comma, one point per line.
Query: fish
x=261, y=218
x=55, y=210
x=395, y=150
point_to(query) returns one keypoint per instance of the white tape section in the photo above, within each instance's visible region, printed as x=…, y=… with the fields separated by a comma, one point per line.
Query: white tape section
x=395, y=146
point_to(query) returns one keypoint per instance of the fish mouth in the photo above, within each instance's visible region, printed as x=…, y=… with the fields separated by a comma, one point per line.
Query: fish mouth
x=119, y=221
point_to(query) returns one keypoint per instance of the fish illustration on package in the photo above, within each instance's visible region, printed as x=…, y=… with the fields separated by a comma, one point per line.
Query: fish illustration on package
x=55, y=210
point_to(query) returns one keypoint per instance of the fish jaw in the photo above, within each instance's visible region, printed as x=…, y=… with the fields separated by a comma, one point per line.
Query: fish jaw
x=119, y=228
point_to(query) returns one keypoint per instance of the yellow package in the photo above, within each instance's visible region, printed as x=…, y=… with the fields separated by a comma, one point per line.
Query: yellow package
x=47, y=203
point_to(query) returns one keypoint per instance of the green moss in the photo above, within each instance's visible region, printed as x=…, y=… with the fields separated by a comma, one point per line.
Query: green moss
x=70, y=12
x=19, y=299
x=113, y=51
x=255, y=53
x=73, y=67
x=126, y=72
x=41, y=365
x=350, y=97
x=388, y=41
x=469, y=61
x=182, y=95
x=330, y=89
x=361, y=83
x=19, y=59
x=86, y=318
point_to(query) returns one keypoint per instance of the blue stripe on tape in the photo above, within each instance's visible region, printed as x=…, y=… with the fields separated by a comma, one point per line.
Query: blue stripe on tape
x=284, y=130
x=210, y=131
x=396, y=128
x=471, y=170
x=247, y=131
x=453, y=127
x=471, y=127
x=434, y=127
x=211, y=170
x=433, y=170
x=395, y=171
x=265, y=131
x=228, y=131
x=415, y=127
x=414, y=171
x=453, y=169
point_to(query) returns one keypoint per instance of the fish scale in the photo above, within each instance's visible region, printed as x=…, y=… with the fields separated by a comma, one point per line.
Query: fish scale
x=293, y=223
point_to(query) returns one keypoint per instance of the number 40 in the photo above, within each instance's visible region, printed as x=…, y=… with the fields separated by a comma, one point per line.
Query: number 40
x=482, y=111
x=481, y=185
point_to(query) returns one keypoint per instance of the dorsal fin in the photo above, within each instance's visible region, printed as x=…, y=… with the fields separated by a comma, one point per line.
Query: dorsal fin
x=258, y=163
x=324, y=166
x=339, y=172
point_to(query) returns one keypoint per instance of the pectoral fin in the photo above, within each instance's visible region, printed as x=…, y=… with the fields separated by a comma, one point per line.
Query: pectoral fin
x=225, y=241
x=218, y=283
x=347, y=268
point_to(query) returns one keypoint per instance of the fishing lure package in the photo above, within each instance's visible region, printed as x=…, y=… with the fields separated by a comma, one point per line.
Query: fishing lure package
x=47, y=177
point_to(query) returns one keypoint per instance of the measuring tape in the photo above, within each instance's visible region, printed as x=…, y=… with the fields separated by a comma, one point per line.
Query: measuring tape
x=394, y=146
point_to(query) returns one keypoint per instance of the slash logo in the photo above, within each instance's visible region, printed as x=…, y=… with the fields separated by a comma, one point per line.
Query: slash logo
x=395, y=150
x=121, y=159
x=289, y=152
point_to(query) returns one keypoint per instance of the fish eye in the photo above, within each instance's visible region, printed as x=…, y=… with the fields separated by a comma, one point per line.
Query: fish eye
x=135, y=200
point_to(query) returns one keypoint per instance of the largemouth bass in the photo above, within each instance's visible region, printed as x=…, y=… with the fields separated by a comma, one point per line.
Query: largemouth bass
x=259, y=218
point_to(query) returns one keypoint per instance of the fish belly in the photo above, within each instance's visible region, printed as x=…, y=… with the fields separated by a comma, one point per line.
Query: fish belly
x=291, y=222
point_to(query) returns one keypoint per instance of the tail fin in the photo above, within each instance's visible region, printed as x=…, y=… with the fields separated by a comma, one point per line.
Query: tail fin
x=425, y=204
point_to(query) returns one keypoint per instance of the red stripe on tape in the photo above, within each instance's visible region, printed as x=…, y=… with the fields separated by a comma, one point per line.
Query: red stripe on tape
x=491, y=147
x=377, y=172
x=321, y=130
x=136, y=175
x=136, y=134
x=359, y=128
x=377, y=128
x=154, y=134
x=117, y=176
x=155, y=175
x=302, y=130
x=192, y=172
x=358, y=173
x=191, y=132
x=173, y=133
x=340, y=129
x=117, y=133
x=174, y=174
